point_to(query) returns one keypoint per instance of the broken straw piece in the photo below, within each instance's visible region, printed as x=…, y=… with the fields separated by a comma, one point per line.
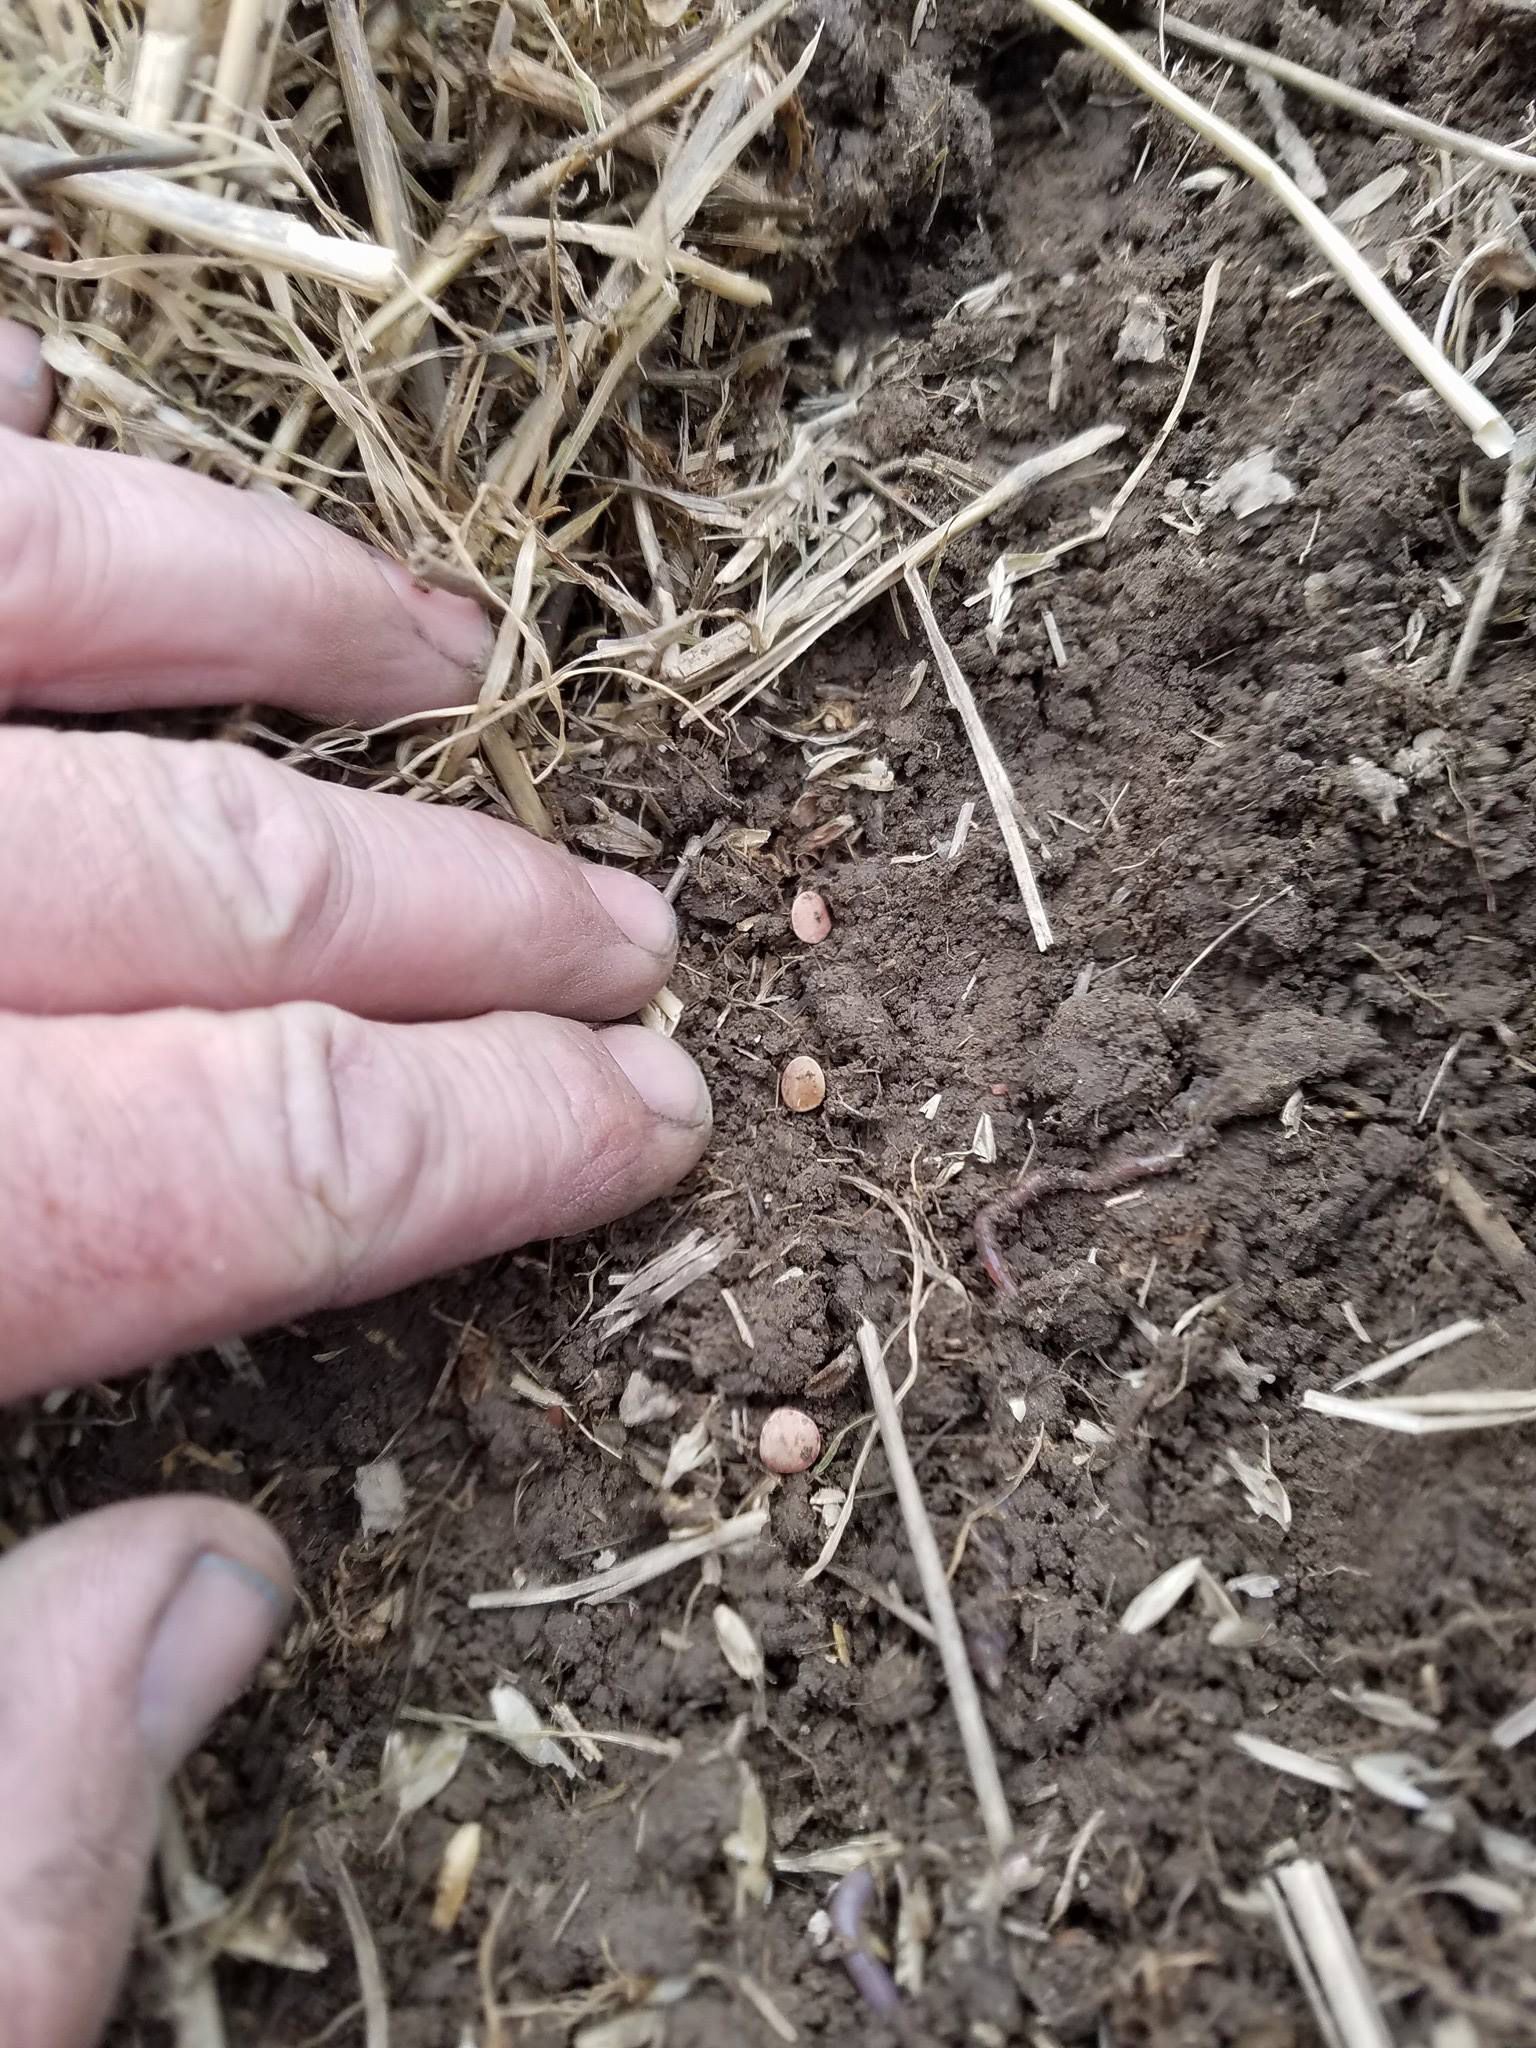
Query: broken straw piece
x=994, y=775
x=258, y=235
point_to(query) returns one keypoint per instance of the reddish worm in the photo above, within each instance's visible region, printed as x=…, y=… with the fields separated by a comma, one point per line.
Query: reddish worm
x=1046, y=1181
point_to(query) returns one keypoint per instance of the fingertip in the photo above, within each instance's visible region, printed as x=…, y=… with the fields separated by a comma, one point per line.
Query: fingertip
x=122, y=1635
x=26, y=384
x=454, y=627
x=642, y=913
x=665, y=1078
x=208, y=1640
x=245, y=1540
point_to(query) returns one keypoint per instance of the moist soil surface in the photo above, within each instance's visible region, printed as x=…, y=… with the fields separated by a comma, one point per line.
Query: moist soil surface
x=1325, y=974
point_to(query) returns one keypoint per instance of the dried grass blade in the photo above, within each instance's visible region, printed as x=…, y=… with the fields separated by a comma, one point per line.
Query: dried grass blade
x=1324, y=1956
x=610, y=239
x=378, y=158
x=1495, y=564
x=634, y=1571
x=1156, y=1601
x=1483, y=420
x=196, y=2016
x=1515, y=1728
x=685, y=80
x=370, y=1973
x=964, y=1696
x=1409, y=1354
x=65, y=26
x=994, y=775
x=1432, y=1414
x=229, y=227
x=1035, y=469
x=1026, y=564
x=1293, y=1763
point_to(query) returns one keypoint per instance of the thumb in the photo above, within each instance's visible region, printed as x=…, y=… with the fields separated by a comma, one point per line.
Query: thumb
x=122, y=1636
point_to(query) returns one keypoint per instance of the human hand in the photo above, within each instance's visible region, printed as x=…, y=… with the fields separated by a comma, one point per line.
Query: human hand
x=266, y=1045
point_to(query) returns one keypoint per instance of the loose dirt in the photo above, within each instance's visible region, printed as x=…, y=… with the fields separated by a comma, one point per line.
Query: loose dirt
x=1195, y=754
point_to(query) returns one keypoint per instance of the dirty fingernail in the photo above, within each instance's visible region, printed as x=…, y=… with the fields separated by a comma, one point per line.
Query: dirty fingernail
x=455, y=626
x=641, y=913
x=661, y=1074
x=213, y=1633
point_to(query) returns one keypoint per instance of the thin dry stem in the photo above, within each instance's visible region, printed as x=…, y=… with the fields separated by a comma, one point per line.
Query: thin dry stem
x=994, y=776
x=939, y=1601
x=378, y=155
x=1020, y=564
x=1494, y=1232
x=685, y=80
x=749, y=682
x=1324, y=1956
x=370, y=1973
x=1221, y=938
x=1495, y=564
x=1482, y=419
x=635, y=1571
x=229, y=227
x=1516, y=163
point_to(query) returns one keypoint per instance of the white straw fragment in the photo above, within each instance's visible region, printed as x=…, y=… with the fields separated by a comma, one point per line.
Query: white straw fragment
x=1514, y=1728
x=1495, y=563
x=1294, y=1763
x=1221, y=938
x=937, y=1598
x=994, y=776
x=370, y=1974
x=613, y=240
x=634, y=1571
x=1432, y=1414
x=1483, y=420
x=249, y=234
x=1407, y=1354
x=1025, y=562
x=1324, y=1956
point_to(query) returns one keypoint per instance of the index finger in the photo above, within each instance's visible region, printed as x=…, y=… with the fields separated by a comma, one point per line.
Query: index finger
x=127, y=582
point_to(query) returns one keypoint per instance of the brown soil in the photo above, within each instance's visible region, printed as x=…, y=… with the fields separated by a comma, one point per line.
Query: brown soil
x=1190, y=759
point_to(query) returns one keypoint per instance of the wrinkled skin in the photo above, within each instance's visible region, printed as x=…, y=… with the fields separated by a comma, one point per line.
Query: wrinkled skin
x=266, y=1045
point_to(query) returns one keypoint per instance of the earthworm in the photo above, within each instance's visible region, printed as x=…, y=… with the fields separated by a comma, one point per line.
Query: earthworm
x=852, y=1897
x=1059, y=1180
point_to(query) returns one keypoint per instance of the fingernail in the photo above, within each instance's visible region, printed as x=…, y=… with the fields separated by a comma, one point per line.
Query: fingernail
x=455, y=626
x=207, y=1643
x=641, y=913
x=661, y=1074
x=26, y=391
x=21, y=361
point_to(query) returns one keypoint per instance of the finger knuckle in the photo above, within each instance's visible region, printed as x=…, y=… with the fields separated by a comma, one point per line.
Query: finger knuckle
x=348, y=1140
x=266, y=859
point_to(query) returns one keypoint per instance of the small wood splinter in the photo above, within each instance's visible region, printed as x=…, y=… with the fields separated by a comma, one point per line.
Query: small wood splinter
x=1046, y=1181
